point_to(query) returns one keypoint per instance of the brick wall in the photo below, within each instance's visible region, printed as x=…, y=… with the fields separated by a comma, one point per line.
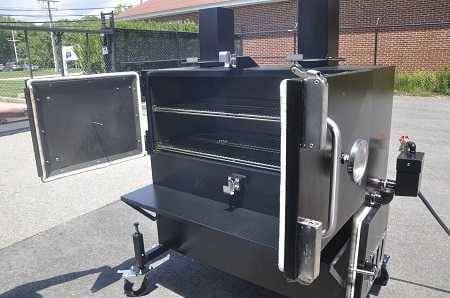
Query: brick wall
x=409, y=50
x=413, y=34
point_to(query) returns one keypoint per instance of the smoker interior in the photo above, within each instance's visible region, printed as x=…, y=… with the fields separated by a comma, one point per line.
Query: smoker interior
x=234, y=118
x=246, y=141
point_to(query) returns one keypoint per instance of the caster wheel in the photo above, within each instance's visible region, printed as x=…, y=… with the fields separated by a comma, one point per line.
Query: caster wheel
x=144, y=289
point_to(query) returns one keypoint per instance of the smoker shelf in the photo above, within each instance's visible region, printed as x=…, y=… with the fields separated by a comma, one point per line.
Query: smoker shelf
x=261, y=151
x=245, y=109
x=242, y=223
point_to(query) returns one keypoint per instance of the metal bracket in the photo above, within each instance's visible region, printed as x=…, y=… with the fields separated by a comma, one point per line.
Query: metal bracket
x=315, y=105
x=310, y=244
x=333, y=271
x=143, y=212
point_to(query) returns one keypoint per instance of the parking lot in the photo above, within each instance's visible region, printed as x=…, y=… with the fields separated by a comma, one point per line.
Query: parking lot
x=68, y=237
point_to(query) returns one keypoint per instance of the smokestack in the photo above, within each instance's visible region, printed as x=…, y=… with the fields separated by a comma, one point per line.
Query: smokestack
x=318, y=29
x=216, y=26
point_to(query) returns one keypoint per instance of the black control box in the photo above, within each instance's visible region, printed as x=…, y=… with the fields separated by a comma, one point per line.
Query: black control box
x=409, y=173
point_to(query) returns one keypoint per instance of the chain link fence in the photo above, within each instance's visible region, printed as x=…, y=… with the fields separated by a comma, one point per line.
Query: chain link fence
x=143, y=49
x=32, y=54
x=41, y=54
x=267, y=47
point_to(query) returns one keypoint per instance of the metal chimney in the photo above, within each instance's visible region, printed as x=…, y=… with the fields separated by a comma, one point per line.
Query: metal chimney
x=318, y=30
x=216, y=27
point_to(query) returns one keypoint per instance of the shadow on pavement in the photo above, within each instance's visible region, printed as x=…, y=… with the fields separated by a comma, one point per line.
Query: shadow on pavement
x=31, y=289
x=178, y=274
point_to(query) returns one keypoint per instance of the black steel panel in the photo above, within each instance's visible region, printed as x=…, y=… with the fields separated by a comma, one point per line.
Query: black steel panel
x=205, y=178
x=82, y=122
x=247, y=260
x=187, y=208
x=360, y=102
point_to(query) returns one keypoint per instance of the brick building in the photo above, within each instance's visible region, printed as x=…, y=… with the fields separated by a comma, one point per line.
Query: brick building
x=412, y=34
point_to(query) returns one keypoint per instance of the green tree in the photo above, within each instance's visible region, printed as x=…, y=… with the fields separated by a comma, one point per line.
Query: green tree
x=40, y=48
x=90, y=56
x=6, y=47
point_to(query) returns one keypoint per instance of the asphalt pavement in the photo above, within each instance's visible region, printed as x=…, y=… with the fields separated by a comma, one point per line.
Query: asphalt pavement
x=68, y=237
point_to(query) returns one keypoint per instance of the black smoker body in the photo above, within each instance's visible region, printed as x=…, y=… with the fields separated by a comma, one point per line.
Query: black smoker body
x=209, y=126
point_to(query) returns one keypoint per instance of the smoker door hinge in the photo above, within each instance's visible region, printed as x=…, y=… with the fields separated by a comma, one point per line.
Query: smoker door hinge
x=309, y=249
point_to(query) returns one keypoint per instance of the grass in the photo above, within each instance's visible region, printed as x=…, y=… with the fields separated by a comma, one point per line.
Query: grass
x=423, y=83
x=12, y=89
x=25, y=73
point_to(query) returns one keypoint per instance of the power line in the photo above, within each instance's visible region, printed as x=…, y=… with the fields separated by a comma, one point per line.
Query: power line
x=52, y=36
x=14, y=41
x=47, y=22
x=43, y=15
x=57, y=9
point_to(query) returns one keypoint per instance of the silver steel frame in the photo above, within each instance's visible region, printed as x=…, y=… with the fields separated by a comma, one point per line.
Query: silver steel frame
x=334, y=182
x=354, y=249
x=216, y=114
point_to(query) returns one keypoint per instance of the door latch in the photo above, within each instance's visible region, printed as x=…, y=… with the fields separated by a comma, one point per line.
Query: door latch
x=233, y=188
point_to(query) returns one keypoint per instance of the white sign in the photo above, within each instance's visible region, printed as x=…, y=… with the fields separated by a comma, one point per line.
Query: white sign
x=69, y=54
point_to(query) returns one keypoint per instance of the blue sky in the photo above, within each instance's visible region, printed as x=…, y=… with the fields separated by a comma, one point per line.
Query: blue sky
x=34, y=4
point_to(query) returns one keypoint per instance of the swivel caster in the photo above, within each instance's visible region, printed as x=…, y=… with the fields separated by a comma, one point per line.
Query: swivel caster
x=140, y=271
x=144, y=289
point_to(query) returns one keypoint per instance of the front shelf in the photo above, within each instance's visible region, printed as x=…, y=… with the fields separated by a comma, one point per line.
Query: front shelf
x=258, y=150
x=242, y=223
x=244, y=109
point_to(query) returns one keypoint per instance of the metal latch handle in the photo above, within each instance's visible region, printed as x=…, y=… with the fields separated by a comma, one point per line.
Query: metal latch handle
x=334, y=181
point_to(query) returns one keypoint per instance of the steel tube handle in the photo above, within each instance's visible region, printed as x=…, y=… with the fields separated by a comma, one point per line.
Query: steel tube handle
x=334, y=180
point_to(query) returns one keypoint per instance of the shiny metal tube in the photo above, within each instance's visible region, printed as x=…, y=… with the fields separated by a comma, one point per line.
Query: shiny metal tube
x=354, y=248
x=334, y=181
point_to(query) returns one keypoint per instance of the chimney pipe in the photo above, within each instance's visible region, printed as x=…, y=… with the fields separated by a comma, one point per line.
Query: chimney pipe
x=216, y=26
x=318, y=30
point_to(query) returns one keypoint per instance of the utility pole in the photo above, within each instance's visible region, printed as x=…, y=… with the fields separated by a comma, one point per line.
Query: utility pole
x=14, y=40
x=52, y=36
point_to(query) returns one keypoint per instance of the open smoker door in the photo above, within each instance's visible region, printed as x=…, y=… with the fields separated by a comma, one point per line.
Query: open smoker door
x=84, y=122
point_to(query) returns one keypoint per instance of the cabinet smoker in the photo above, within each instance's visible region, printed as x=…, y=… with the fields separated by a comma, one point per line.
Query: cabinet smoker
x=274, y=174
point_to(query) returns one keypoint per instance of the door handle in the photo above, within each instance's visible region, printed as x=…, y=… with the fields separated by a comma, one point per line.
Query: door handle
x=334, y=181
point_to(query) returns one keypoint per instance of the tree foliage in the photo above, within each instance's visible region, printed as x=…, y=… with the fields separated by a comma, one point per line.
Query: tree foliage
x=6, y=47
x=40, y=48
x=89, y=53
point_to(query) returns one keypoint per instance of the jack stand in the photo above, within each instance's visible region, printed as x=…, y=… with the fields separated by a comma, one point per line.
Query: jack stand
x=140, y=270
